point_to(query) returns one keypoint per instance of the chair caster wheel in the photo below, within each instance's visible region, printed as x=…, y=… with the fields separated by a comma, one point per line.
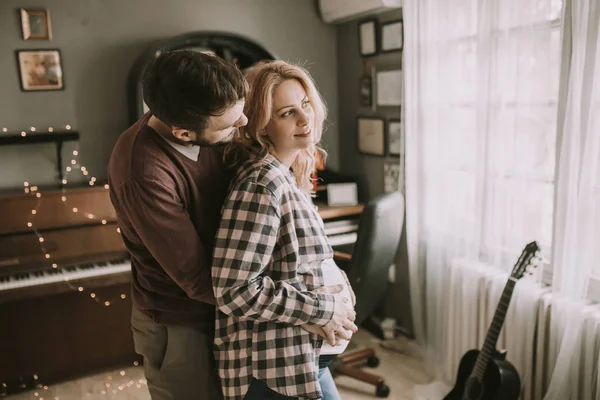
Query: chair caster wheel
x=383, y=390
x=373, y=362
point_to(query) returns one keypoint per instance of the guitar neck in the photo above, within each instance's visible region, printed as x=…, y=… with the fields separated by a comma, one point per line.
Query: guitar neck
x=491, y=339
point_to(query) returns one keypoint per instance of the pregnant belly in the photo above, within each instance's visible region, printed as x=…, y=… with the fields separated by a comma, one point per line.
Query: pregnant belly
x=332, y=275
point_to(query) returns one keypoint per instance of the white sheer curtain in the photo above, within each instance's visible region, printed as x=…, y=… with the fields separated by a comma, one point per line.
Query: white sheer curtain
x=481, y=89
x=576, y=255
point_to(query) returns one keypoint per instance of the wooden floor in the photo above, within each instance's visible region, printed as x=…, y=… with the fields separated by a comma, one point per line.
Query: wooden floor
x=399, y=366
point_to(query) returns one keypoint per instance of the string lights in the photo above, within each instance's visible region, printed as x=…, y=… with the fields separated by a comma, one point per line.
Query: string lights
x=42, y=390
x=34, y=191
x=126, y=380
x=34, y=129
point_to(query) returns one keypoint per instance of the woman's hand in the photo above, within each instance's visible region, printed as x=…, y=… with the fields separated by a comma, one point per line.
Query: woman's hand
x=319, y=331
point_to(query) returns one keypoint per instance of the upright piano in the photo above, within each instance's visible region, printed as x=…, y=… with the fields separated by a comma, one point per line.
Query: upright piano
x=65, y=284
x=64, y=287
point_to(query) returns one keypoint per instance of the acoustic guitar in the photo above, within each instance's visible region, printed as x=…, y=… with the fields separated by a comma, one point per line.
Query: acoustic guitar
x=486, y=374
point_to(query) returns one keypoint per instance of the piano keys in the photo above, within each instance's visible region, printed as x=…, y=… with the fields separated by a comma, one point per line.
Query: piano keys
x=341, y=224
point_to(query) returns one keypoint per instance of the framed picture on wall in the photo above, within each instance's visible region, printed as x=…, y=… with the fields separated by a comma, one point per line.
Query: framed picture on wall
x=371, y=135
x=392, y=38
x=40, y=70
x=367, y=37
x=365, y=93
x=394, y=137
x=389, y=88
x=35, y=24
x=391, y=176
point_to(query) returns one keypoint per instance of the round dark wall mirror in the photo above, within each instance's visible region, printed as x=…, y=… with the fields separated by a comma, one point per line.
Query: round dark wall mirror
x=241, y=51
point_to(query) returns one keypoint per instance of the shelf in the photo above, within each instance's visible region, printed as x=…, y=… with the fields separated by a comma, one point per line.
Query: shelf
x=58, y=138
x=38, y=137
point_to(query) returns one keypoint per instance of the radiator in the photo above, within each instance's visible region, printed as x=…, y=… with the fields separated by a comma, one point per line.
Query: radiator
x=530, y=335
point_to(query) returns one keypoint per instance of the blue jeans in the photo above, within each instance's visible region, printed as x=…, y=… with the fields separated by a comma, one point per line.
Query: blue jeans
x=259, y=391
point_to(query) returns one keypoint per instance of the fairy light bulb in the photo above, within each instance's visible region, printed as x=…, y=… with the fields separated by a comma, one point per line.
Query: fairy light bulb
x=29, y=224
x=73, y=162
x=38, y=195
x=106, y=186
x=41, y=240
x=26, y=184
x=68, y=127
x=47, y=256
x=75, y=209
x=64, y=181
x=4, y=130
x=54, y=266
x=68, y=169
x=107, y=303
x=75, y=152
x=123, y=295
x=103, y=222
x=80, y=289
x=32, y=129
x=93, y=295
x=33, y=212
x=51, y=129
x=63, y=198
x=23, y=133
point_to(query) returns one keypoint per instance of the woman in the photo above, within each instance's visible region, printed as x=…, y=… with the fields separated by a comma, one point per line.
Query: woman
x=271, y=251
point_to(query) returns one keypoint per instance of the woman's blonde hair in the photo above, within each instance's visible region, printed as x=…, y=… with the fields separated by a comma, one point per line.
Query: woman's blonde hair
x=263, y=79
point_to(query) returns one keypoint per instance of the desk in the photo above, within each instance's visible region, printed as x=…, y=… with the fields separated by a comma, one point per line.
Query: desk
x=330, y=212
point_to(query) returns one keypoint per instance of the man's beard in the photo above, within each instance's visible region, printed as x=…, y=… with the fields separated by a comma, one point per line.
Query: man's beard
x=201, y=141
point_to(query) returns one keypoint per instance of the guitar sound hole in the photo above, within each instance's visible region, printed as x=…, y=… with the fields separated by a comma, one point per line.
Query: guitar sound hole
x=473, y=389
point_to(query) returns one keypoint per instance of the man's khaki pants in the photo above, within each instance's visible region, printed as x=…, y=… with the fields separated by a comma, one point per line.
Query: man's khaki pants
x=178, y=360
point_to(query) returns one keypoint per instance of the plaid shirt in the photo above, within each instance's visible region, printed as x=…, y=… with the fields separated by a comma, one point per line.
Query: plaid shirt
x=267, y=258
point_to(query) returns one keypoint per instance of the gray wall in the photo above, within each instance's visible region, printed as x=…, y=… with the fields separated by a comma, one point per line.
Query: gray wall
x=99, y=41
x=367, y=168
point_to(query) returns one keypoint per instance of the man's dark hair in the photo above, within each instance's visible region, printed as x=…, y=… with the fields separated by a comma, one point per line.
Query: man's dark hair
x=183, y=88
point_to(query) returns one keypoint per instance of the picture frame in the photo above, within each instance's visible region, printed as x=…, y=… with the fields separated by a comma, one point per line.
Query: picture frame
x=35, y=24
x=368, y=37
x=389, y=88
x=40, y=70
x=392, y=174
x=394, y=137
x=371, y=135
x=365, y=92
x=392, y=36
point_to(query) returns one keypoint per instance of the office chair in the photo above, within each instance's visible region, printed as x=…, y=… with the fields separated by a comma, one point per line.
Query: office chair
x=379, y=233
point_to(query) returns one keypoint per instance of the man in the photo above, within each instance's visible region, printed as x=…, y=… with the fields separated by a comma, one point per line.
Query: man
x=167, y=184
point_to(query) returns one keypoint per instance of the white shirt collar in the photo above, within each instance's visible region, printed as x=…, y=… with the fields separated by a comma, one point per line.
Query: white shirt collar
x=190, y=152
